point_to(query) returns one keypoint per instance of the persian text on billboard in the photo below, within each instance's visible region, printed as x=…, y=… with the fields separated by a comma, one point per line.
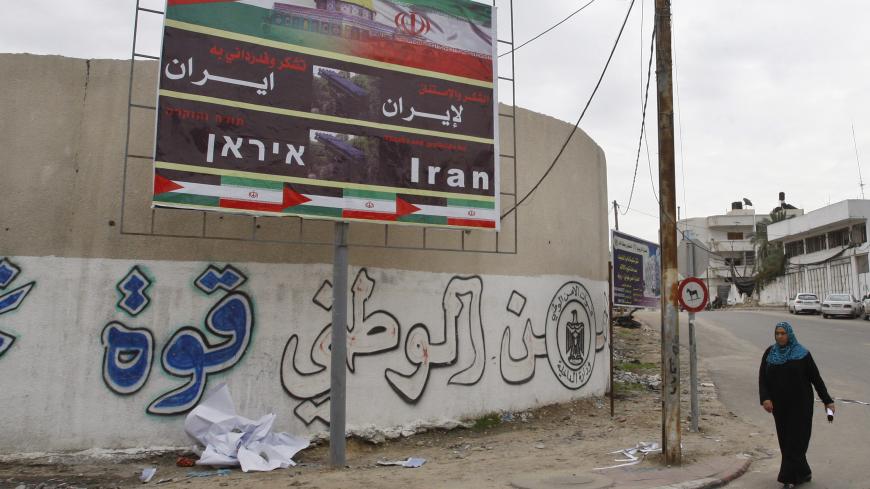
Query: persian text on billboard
x=358, y=110
x=636, y=272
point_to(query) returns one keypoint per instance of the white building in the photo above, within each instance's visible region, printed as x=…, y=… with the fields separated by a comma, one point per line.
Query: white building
x=729, y=237
x=826, y=249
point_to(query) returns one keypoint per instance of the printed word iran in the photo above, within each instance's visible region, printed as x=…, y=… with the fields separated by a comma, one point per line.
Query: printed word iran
x=455, y=177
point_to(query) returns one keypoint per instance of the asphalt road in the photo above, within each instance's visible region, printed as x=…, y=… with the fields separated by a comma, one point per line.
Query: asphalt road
x=730, y=345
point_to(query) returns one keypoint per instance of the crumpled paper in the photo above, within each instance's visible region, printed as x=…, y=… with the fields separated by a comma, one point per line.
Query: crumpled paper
x=231, y=440
x=410, y=463
x=632, y=458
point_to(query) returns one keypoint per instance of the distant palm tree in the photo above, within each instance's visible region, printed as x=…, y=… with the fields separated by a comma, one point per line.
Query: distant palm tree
x=770, y=258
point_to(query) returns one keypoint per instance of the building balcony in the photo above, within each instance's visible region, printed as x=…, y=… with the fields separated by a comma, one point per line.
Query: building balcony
x=732, y=221
x=735, y=245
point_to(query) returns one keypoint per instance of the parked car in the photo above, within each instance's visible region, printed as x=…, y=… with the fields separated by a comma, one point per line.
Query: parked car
x=866, y=304
x=804, y=302
x=841, y=305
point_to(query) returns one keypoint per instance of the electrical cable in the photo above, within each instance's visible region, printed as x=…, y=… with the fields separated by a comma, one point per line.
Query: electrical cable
x=679, y=113
x=577, y=124
x=549, y=29
x=643, y=121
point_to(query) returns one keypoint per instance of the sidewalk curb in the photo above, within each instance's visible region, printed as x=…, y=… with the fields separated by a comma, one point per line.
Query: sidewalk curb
x=709, y=482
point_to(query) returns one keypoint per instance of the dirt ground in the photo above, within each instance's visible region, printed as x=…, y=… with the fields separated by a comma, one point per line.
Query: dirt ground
x=499, y=448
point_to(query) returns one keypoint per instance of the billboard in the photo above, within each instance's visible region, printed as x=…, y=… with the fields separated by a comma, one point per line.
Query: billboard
x=372, y=110
x=637, y=275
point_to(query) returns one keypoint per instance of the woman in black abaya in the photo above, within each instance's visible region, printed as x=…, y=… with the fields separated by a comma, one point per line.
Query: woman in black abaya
x=785, y=381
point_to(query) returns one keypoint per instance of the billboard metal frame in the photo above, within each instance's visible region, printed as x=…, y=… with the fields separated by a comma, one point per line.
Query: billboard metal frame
x=136, y=56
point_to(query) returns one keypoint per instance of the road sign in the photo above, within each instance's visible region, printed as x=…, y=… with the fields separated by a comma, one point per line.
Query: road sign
x=693, y=294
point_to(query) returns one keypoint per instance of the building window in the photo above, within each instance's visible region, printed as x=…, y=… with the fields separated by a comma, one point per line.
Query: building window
x=737, y=262
x=816, y=243
x=859, y=232
x=735, y=236
x=795, y=248
x=750, y=258
x=839, y=237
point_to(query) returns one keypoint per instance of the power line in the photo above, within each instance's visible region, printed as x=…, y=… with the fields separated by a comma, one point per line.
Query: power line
x=549, y=29
x=576, y=124
x=679, y=114
x=643, y=121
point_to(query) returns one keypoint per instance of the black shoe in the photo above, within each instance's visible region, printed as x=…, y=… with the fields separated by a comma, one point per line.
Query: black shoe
x=805, y=479
x=788, y=485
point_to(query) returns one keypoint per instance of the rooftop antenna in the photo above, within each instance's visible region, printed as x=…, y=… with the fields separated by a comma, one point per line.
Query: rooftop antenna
x=860, y=180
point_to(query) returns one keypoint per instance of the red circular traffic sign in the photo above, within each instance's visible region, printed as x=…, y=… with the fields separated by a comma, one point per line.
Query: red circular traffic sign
x=693, y=294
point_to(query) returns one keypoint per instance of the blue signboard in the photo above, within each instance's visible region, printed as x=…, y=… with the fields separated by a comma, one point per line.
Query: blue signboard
x=637, y=271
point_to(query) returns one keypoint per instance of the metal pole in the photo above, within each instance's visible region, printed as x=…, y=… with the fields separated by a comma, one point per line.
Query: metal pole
x=616, y=214
x=693, y=355
x=671, y=436
x=693, y=373
x=610, y=325
x=338, y=370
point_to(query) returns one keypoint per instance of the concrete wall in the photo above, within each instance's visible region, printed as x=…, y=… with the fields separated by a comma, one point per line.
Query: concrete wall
x=114, y=318
x=774, y=293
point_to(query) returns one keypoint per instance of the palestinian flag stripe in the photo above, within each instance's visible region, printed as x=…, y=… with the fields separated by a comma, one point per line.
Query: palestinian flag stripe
x=423, y=219
x=470, y=203
x=324, y=201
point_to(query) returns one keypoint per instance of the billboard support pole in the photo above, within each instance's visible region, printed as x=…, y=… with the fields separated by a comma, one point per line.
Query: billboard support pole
x=338, y=362
x=610, y=325
x=667, y=197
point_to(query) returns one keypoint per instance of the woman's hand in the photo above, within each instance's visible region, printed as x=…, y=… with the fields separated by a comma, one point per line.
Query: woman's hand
x=831, y=407
x=768, y=405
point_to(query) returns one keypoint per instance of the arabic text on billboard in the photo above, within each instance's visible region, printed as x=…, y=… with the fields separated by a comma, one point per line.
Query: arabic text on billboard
x=370, y=110
x=636, y=272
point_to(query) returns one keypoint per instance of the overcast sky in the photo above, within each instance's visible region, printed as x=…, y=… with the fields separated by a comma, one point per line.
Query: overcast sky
x=767, y=90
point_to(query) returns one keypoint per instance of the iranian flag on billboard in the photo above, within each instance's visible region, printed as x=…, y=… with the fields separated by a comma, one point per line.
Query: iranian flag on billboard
x=367, y=110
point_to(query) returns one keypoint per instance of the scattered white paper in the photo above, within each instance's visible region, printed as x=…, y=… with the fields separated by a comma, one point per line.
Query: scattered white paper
x=147, y=474
x=235, y=441
x=632, y=458
x=411, y=462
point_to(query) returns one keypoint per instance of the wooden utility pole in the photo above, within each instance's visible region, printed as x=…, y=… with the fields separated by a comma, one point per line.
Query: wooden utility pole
x=668, y=228
x=616, y=214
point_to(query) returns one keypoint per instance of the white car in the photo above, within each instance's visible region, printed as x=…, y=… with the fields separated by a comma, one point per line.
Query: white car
x=841, y=305
x=804, y=302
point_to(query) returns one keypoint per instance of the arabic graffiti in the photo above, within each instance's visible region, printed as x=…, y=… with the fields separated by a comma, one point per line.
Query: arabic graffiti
x=227, y=279
x=571, y=330
x=10, y=301
x=190, y=354
x=520, y=369
x=369, y=333
x=462, y=320
x=128, y=353
x=134, y=300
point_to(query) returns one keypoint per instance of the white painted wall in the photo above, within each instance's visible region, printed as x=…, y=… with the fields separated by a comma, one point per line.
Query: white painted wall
x=774, y=293
x=509, y=331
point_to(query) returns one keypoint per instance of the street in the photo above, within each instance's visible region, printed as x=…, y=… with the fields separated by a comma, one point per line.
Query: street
x=730, y=346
